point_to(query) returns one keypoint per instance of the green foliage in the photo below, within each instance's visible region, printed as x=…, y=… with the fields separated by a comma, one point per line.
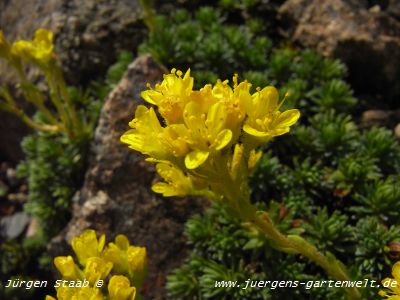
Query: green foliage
x=203, y=44
x=53, y=167
x=18, y=260
x=214, y=48
x=330, y=182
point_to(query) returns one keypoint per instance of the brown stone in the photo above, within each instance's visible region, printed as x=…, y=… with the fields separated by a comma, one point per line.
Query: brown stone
x=116, y=196
x=380, y=118
x=368, y=41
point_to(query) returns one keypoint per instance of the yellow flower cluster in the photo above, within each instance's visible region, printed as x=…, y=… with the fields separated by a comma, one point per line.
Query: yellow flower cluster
x=38, y=50
x=393, y=284
x=205, y=135
x=98, y=261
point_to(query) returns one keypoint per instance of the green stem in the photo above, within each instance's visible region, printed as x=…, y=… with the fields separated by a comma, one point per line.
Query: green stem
x=58, y=103
x=75, y=120
x=332, y=266
x=238, y=199
x=37, y=98
x=34, y=125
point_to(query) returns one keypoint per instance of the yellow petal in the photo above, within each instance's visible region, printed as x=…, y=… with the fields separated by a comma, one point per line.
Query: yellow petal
x=269, y=97
x=164, y=188
x=288, y=118
x=196, y=158
x=122, y=242
x=254, y=132
x=149, y=96
x=66, y=266
x=223, y=138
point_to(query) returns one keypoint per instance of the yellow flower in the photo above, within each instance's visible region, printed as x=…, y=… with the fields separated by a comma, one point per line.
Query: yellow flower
x=145, y=132
x=116, y=253
x=96, y=269
x=177, y=183
x=393, y=284
x=119, y=288
x=86, y=246
x=137, y=260
x=231, y=99
x=265, y=121
x=39, y=50
x=127, y=259
x=207, y=132
x=67, y=267
x=171, y=95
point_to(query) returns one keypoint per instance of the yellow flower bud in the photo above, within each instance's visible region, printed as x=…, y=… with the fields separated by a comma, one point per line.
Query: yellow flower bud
x=254, y=157
x=177, y=183
x=119, y=288
x=86, y=246
x=127, y=259
x=67, y=267
x=137, y=261
x=96, y=269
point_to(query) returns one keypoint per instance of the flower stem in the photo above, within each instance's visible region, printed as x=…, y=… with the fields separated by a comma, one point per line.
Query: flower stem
x=331, y=265
x=238, y=200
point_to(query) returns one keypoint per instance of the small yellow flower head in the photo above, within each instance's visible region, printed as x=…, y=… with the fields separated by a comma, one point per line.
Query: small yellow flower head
x=176, y=183
x=265, y=121
x=96, y=269
x=39, y=50
x=393, y=284
x=137, y=259
x=145, y=134
x=171, y=95
x=127, y=259
x=208, y=133
x=67, y=267
x=119, y=288
x=86, y=246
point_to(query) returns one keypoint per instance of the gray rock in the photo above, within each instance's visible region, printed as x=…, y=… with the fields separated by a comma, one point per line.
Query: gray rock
x=368, y=41
x=14, y=225
x=116, y=196
x=88, y=34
